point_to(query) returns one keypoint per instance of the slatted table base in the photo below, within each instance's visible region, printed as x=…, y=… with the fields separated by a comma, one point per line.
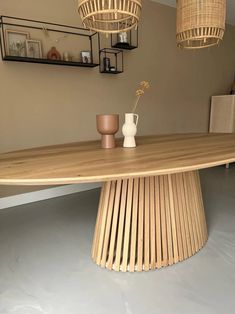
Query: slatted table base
x=148, y=223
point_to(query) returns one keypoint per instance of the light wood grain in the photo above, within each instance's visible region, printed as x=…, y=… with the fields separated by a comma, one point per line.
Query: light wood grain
x=160, y=220
x=87, y=162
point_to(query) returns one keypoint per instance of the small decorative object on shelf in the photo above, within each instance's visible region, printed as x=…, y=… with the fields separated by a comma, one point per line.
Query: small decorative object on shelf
x=107, y=126
x=34, y=48
x=53, y=54
x=125, y=40
x=15, y=42
x=18, y=43
x=111, y=61
x=106, y=64
x=86, y=56
x=112, y=69
x=129, y=128
x=66, y=56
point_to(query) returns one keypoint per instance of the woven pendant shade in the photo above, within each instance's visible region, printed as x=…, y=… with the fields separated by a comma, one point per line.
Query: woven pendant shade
x=200, y=23
x=109, y=16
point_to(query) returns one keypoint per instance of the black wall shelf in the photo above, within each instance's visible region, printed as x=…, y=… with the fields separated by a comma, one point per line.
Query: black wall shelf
x=111, y=72
x=49, y=61
x=111, y=61
x=90, y=39
x=17, y=34
x=124, y=46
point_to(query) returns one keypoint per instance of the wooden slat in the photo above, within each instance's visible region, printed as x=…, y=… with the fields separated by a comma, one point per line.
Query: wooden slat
x=97, y=226
x=190, y=211
x=194, y=212
x=114, y=224
x=152, y=224
x=163, y=223
x=127, y=226
x=108, y=224
x=146, y=224
x=196, y=196
x=173, y=220
x=168, y=222
x=103, y=222
x=158, y=224
x=134, y=225
x=201, y=211
x=121, y=226
x=177, y=217
x=185, y=204
x=180, y=188
x=141, y=226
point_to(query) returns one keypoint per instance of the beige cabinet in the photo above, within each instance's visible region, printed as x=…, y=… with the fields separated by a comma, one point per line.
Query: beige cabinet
x=222, y=117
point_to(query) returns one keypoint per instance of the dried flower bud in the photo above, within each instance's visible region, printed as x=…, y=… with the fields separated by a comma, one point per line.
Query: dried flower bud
x=139, y=92
x=145, y=84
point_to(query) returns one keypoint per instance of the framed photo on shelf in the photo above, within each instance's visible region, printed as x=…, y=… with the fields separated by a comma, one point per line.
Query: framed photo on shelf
x=34, y=48
x=86, y=56
x=16, y=43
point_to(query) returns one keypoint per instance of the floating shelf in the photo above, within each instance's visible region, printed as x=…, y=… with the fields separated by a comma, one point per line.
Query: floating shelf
x=50, y=61
x=124, y=46
x=111, y=72
x=76, y=40
x=31, y=41
x=111, y=58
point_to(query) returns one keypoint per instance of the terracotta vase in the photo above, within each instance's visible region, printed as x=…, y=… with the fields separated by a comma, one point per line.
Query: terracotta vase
x=53, y=54
x=107, y=126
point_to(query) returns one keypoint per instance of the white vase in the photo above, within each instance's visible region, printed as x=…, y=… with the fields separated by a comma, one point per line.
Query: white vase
x=129, y=129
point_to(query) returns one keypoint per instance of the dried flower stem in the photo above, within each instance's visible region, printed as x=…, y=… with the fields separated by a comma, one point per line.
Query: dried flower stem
x=143, y=86
x=136, y=103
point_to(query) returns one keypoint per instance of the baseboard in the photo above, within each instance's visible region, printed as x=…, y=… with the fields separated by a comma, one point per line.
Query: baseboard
x=26, y=198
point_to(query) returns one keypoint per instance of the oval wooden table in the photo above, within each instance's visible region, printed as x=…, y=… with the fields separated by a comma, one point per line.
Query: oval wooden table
x=151, y=209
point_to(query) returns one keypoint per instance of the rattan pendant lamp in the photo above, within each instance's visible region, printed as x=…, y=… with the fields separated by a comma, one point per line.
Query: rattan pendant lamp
x=200, y=23
x=109, y=16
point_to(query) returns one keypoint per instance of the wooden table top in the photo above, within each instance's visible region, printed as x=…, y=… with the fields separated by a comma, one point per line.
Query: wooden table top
x=87, y=162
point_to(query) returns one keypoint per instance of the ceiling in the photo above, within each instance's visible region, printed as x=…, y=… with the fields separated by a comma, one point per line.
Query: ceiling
x=230, y=8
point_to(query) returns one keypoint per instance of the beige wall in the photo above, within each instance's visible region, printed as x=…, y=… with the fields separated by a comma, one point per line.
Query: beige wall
x=43, y=105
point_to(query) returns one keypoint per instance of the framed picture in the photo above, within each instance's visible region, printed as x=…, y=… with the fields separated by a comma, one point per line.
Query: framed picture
x=86, y=56
x=16, y=43
x=34, y=48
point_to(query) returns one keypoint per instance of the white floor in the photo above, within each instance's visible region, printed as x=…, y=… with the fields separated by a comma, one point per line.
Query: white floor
x=45, y=265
